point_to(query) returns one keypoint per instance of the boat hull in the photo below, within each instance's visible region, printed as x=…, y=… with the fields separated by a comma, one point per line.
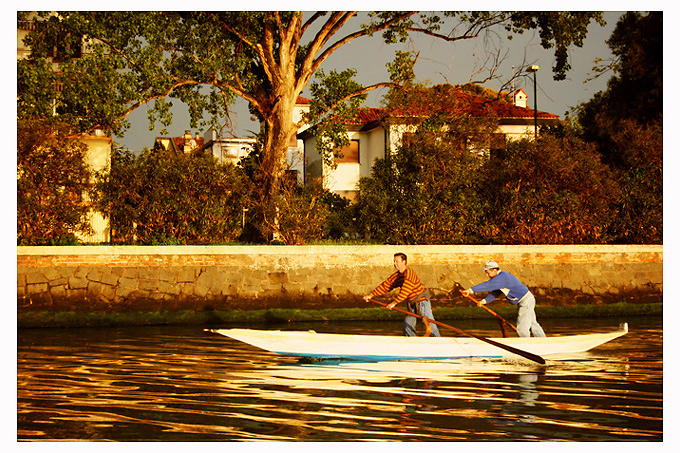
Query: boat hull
x=381, y=347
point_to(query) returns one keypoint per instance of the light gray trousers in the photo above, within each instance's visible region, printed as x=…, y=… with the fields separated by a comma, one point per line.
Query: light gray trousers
x=526, y=317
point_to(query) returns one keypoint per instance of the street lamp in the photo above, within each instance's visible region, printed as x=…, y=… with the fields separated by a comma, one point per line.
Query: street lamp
x=534, y=69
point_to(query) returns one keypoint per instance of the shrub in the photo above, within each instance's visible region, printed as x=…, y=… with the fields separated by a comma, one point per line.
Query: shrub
x=156, y=198
x=427, y=193
x=52, y=182
x=554, y=191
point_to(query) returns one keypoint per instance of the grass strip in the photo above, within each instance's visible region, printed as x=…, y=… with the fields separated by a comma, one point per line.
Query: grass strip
x=71, y=319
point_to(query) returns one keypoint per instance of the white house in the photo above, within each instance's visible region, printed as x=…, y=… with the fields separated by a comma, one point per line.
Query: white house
x=233, y=149
x=99, y=146
x=379, y=132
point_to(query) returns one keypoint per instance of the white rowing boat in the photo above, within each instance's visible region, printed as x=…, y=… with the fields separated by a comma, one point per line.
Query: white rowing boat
x=382, y=347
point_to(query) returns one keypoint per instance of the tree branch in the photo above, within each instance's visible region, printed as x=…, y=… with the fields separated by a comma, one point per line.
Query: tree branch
x=352, y=95
x=472, y=31
x=312, y=63
x=352, y=36
x=311, y=20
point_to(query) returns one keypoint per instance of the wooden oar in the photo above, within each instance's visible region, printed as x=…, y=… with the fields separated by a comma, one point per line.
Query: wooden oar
x=459, y=287
x=525, y=354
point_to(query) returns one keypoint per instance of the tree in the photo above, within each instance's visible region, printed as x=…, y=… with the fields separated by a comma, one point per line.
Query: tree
x=52, y=179
x=206, y=59
x=157, y=198
x=554, y=191
x=428, y=192
x=635, y=90
x=640, y=206
x=625, y=123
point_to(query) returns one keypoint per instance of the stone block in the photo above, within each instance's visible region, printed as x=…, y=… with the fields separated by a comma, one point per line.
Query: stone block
x=201, y=291
x=117, y=271
x=186, y=274
x=81, y=272
x=167, y=275
x=277, y=278
x=93, y=290
x=95, y=274
x=131, y=273
x=122, y=292
x=167, y=288
x=126, y=282
x=37, y=288
x=109, y=279
x=51, y=274
x=107, y=292
x=56, y=283
x=33, y=278
x=77, y=283
x=146, y=284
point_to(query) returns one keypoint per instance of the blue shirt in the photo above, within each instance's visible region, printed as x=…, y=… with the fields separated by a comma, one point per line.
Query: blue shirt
x=503, y=283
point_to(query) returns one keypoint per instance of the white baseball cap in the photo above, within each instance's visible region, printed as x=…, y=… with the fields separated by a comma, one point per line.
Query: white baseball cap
x=490, y=265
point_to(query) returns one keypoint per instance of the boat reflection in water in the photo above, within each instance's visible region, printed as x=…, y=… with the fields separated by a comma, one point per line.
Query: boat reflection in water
x=180, y=384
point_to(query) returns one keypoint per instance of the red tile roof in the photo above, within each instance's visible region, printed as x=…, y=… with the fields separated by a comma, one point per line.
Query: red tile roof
x=181, y=141
x=465, y=103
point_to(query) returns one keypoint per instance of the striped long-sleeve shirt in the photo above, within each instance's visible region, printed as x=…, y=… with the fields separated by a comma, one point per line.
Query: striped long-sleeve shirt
x=409, y=282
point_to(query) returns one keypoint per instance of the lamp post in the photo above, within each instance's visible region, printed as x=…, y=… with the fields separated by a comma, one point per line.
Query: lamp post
x=534, y=69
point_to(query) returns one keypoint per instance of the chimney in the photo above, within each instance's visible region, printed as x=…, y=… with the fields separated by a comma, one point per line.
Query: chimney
x=520, y=98
x=189, y=142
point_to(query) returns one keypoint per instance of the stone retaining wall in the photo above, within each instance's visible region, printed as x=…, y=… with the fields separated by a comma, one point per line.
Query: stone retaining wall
x=133, y=278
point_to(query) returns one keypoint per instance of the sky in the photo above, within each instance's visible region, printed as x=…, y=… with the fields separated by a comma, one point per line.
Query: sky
x=438, y=62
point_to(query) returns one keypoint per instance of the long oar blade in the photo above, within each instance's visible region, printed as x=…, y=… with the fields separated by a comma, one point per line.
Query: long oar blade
x=527, y=355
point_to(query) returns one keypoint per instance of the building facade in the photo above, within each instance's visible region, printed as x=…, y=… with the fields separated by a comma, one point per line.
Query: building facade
x=378, y=133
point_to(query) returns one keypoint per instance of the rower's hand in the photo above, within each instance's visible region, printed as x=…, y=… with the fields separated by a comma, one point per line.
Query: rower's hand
x=481, y=302
x=391, y=305
x=368, y=297
x=465, y=292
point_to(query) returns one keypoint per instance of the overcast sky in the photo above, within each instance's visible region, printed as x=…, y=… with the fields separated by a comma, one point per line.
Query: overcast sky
x=439, y=62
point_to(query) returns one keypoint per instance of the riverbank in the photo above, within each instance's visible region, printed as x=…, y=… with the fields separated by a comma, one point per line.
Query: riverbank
x=222, y=279
x=219, y=318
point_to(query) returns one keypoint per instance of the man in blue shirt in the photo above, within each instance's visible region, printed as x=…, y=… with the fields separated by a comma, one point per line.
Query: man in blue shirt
x=501, y=282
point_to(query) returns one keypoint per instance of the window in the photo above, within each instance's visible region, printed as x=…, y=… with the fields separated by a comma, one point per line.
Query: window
x=349, y=154
x=497, y=146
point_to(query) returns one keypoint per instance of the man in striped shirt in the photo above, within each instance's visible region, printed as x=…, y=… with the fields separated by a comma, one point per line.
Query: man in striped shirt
x=412, y=291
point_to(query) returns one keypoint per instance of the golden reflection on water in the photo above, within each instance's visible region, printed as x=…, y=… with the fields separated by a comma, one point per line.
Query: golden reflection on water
x=178, y=384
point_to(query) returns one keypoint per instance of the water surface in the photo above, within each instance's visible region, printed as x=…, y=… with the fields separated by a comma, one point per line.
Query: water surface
x=183, y=384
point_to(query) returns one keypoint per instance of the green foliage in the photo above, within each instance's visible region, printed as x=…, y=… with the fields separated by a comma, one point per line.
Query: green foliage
x=113, y=62
x=297, y=215
x=128, y=59
x=333, y=107
x=640, y=206
x=52, y=184
x=302, y=214
x=431, y=191
x=341, y=223
x=155, y=198
x=554, y=191
x=625, y=123
x=557, y=29
x=427, y=193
